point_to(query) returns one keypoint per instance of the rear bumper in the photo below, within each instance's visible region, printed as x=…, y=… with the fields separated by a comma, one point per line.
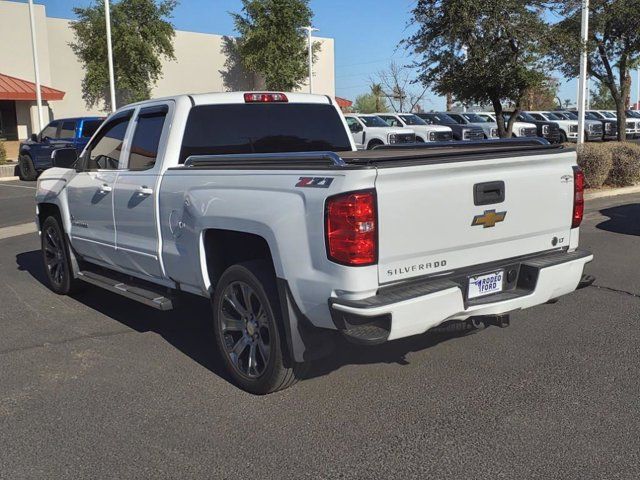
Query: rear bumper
x=414, y=307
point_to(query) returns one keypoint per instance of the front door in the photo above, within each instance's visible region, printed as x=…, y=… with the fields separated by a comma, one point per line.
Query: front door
x=90, y=192
x=357, y=132
x=136, y=194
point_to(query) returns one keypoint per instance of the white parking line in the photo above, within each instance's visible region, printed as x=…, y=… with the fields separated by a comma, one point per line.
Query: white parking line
x=16, y=186
x=16, y=230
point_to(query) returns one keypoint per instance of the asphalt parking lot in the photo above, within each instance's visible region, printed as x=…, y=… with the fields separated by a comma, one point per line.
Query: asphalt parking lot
x=98, y=386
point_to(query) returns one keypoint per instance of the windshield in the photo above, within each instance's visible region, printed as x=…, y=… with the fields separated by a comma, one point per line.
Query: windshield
x=263, y=128
x=374, y=122
x=525, y=117
x=443, y=119
x=412, y=120
x=633, y=114
x=474, y=118
x=590, y=116
x=608, y=115
x=552, y=116
x=487, y=117
x=573, y=116
x=598, y=115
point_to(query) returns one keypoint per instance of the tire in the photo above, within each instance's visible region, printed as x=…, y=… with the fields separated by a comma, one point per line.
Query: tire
x=56, y=258
x=563, y=137
x=26, y=168
x=244, y=336
x=373, y=143
x=419, y=140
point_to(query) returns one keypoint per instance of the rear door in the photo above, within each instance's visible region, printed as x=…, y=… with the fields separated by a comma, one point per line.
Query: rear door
x=449, y=215
x=136, y=193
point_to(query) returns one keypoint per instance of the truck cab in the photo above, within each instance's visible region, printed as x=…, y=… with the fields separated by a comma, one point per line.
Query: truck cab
x=35, y=153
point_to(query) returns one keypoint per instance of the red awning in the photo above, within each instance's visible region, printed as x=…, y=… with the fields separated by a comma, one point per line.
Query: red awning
x=12, y=88
x=343, y=102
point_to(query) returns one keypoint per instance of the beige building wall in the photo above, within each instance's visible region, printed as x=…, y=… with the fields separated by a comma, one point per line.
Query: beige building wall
x=200, y=61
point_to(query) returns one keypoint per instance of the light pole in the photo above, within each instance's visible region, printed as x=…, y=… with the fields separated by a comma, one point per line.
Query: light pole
x=36, y=67
x=584, y=37
x=309, y=30
x=638, y=87
x=465, y=54
x=112, y=86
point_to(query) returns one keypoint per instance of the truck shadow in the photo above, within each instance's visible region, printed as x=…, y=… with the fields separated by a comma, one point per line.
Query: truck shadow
x=187, y=328
x=624, y=219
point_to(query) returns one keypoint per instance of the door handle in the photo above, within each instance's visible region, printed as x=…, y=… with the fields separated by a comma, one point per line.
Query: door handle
x=104, y=188
x=144, y=190
x=488, y=193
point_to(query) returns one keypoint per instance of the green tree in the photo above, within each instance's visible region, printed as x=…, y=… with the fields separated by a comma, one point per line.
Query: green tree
x=613, y=46
x=141, y=36
x=272, y=43
x=601, y=98
x=370, y=103
x=481, y=52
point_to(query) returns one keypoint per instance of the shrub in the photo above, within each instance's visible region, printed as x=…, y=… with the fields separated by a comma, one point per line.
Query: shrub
x=3, y=153
x=626, y=164
x=596, y=161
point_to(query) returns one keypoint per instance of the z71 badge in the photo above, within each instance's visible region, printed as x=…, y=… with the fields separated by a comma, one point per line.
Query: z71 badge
x=314, y=182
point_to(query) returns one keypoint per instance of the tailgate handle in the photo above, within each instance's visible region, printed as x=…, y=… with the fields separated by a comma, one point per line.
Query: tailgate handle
x=488, y=193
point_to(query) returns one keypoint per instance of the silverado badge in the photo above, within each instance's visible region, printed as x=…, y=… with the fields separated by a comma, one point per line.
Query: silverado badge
x=488, y=219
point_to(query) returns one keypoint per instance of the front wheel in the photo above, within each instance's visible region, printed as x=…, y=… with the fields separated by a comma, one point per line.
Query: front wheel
x=26, y=168
x=245, y=306
x=55, y=256
x=563, y=137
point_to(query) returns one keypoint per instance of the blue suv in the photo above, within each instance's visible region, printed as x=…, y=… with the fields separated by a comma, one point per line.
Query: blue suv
x=35, y=153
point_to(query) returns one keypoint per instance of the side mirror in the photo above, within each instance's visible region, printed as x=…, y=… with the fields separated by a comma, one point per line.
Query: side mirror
x=64, y=157
x=355, y=128
x=34, y=137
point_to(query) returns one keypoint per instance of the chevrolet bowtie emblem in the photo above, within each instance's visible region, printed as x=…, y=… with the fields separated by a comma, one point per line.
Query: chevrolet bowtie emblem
x=488, y=219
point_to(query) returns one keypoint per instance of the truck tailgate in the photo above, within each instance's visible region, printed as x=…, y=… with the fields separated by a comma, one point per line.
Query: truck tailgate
x=429, y=221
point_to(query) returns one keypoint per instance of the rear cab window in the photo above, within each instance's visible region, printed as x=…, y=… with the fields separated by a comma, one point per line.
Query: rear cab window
x=263, y=128
x=89, y=127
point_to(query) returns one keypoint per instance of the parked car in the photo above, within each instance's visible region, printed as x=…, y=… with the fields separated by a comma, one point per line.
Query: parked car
x=609, y=126
x=550, y=131
x=490, y=129
x=520, y=129
x=634, y=116
x=594, y=131
x=370, y=131
x=35, y=153
x=261, y=203
x=424, y=131
x=460, y=132
x=631, y=127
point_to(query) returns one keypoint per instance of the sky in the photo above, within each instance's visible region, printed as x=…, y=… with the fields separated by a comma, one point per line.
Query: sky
x=366, y=34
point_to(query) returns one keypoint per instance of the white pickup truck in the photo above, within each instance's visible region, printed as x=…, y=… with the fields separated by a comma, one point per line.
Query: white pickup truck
x=370, y=131
x=260, y=202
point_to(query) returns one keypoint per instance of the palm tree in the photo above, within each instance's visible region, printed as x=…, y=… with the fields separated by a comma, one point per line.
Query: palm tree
x=378, y=92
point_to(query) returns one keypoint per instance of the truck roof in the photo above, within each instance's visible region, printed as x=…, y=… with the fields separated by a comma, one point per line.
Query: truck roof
x=238, y=97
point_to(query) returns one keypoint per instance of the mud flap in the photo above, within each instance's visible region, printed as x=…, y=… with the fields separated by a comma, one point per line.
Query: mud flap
x=305, y=342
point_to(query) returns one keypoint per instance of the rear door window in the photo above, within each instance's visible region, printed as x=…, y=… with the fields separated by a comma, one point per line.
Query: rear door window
x=68, y=130
x=263, y=128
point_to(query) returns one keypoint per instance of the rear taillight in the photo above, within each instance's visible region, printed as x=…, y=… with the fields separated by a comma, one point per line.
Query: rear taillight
x=259, y=97
x=578, y=197
x=351, y=228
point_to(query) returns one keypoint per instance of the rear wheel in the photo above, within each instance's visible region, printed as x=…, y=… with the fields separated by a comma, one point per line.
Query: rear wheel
x=55, y=256
x=245, y=306
x=26, y=168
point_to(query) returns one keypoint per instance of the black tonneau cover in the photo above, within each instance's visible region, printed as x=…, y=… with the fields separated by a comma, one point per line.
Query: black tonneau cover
x=381, y=157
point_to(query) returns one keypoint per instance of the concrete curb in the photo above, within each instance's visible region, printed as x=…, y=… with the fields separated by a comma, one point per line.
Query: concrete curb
x=614, y=192
x=9, y=179
x=8, y=170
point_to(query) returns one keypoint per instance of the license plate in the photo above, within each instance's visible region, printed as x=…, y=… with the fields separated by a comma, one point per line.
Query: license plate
x=482, y=285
